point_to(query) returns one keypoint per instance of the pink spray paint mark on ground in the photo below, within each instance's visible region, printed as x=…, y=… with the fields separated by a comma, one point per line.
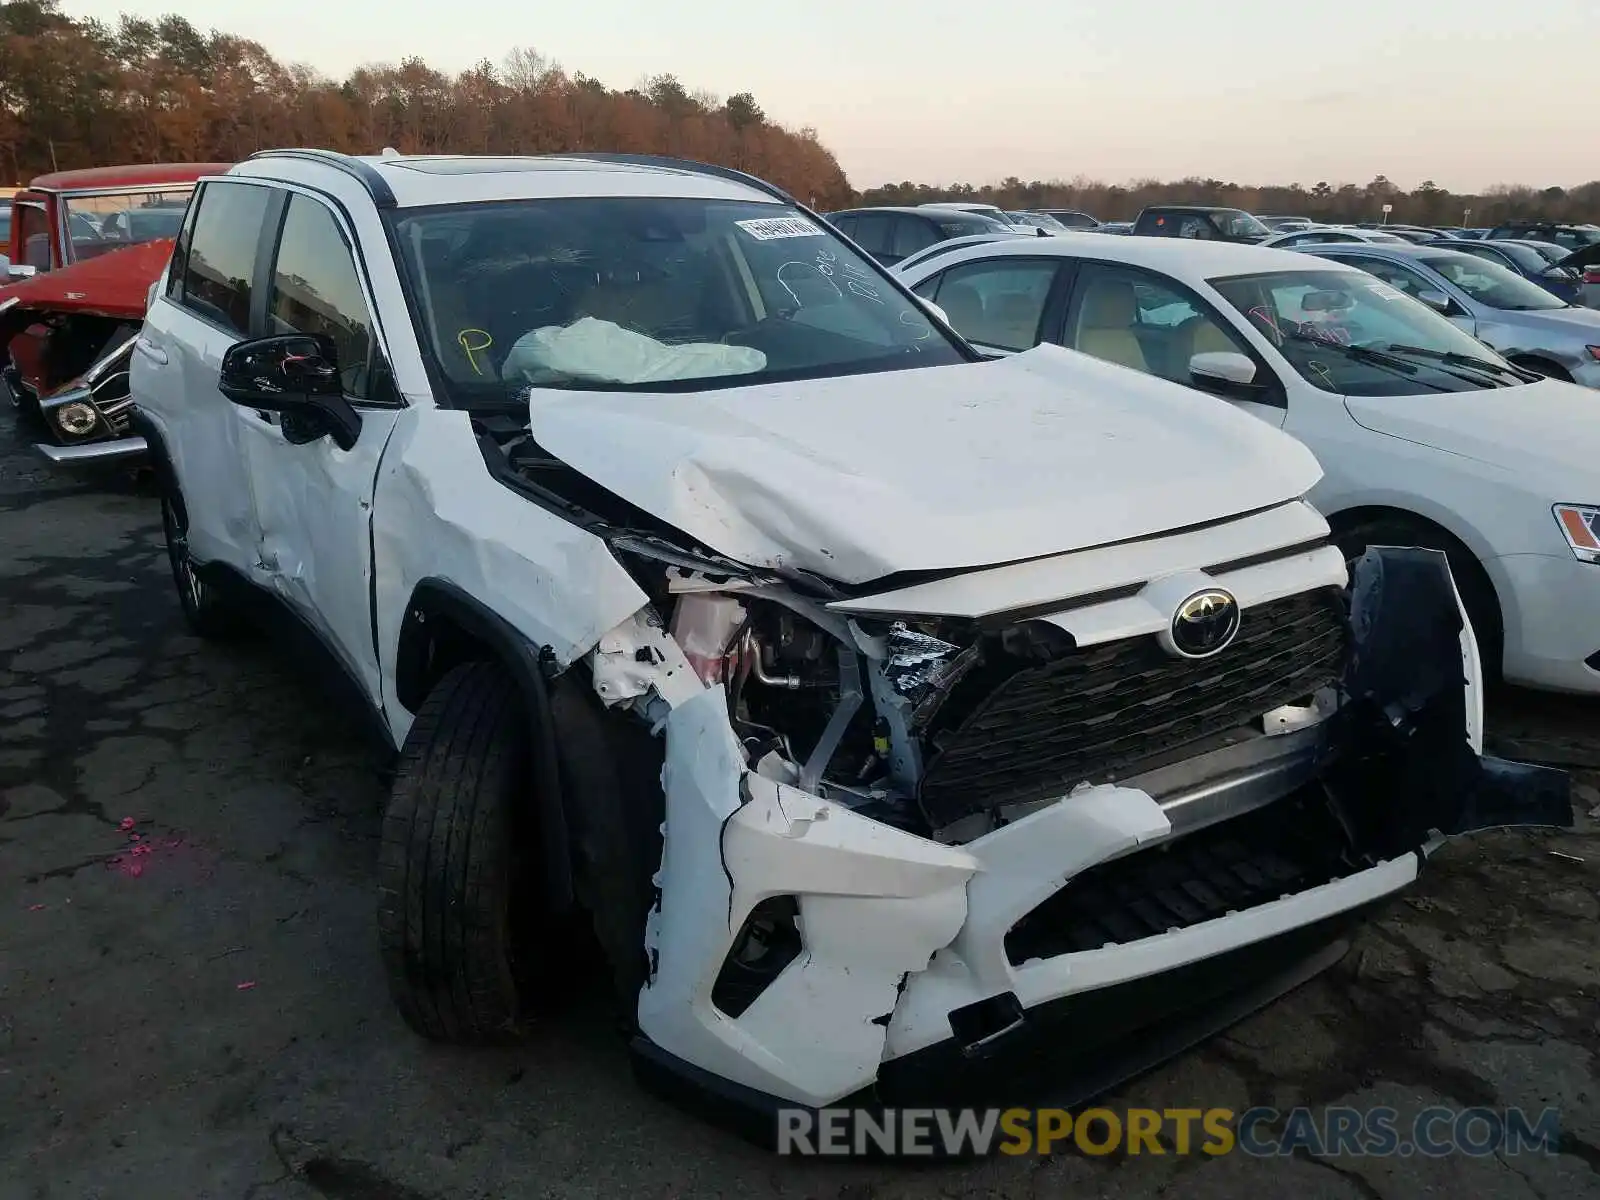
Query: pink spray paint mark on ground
x=142, y=850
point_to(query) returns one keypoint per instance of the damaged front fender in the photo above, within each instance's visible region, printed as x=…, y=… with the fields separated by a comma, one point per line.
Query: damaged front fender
x=875, y=903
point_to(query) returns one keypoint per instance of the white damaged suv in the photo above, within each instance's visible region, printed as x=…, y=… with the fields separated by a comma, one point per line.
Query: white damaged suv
x=905, y=726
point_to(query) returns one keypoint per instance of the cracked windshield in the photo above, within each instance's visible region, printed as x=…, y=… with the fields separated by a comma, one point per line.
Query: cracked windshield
x=652, y=294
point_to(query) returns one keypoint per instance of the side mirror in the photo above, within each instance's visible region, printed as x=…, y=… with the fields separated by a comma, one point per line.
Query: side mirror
x=1223, y=366
x=1437, y=301
x=297, y=376
x=17, y=272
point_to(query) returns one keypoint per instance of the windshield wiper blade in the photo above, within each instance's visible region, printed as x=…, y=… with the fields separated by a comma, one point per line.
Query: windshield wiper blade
x=1378, y=358
x=1467, y=361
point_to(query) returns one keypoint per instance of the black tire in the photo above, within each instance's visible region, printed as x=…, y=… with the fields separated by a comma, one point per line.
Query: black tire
x=207, y=610
x=453, y=895
x=1477, y=592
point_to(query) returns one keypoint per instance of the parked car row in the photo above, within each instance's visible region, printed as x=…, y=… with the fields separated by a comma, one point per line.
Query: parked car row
x=919, y=683
x=1568, y=267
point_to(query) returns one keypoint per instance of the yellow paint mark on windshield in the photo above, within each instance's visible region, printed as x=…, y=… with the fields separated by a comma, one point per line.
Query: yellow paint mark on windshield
x=472, y=348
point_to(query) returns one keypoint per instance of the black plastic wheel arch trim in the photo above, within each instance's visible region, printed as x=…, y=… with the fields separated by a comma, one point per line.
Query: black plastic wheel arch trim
x=433, y=597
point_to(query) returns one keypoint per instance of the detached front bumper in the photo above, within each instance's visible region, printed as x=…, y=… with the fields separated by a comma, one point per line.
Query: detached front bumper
x=1551, y=606
x=1062, y=952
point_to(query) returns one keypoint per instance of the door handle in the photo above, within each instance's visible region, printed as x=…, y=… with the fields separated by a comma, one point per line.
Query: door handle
x=151, y=351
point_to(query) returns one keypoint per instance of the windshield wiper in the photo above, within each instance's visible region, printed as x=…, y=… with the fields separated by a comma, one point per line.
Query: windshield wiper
x=1466, y=361
x=1377, y=358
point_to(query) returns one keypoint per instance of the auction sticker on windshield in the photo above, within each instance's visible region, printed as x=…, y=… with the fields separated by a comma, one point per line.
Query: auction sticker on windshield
x=1384, y=292
x=772, y=229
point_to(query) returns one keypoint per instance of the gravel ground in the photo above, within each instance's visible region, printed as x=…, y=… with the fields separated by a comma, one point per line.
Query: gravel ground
x=198, y=1010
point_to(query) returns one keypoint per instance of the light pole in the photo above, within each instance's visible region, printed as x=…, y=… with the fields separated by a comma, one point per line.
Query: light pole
x=1466, y=214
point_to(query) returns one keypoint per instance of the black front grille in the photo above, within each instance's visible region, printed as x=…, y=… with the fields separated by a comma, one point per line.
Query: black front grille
x=1105, y=712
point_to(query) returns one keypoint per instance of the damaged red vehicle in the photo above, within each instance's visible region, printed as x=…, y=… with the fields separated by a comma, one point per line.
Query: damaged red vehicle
x=85, y=248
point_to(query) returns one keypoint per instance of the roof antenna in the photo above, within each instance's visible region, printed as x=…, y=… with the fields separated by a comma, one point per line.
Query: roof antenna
x=389, y=152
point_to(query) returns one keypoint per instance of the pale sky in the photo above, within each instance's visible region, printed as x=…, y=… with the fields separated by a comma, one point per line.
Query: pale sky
x=1469, y=93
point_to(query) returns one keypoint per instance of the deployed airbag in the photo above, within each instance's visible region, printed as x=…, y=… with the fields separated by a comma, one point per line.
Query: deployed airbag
x=590, y=348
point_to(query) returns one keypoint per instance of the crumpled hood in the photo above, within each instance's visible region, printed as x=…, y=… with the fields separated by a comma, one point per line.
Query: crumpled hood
x=1542, y=428
x=862, y=476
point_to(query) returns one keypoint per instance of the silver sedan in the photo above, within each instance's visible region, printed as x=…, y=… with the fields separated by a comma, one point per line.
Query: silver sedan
x=1500, y=308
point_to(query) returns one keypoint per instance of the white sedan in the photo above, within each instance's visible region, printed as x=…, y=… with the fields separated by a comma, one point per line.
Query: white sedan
x=1426, y=436
x=1323, y=235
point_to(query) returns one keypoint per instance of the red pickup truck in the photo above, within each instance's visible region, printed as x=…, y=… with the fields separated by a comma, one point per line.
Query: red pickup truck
x=84, y=249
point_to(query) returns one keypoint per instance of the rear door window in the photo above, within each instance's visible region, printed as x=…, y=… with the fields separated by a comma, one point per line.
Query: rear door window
x=912, y=234
x=999, y=302
x=219, y=268
x=873, y=233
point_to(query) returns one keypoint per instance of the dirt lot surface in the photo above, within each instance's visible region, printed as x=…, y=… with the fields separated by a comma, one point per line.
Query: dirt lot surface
x=198, y=1011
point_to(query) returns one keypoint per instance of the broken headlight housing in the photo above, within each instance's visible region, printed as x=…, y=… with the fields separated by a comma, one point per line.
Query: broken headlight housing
x=1580, y=525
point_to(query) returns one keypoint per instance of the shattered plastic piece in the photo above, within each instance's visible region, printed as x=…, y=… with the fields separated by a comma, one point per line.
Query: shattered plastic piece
x=245, y=986
x=1568, y=857
x=35, y=907
x=126, y=824
x=914, y=659
x=590, y=348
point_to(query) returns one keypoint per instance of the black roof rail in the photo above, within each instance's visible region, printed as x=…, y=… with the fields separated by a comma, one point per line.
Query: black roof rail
x=365, y=173
x=666, y=162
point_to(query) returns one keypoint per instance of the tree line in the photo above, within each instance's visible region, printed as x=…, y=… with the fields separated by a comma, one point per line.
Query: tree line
x=1425, y=204
x=79, y=93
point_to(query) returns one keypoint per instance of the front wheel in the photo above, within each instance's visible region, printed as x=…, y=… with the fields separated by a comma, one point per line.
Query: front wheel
x=453, y=878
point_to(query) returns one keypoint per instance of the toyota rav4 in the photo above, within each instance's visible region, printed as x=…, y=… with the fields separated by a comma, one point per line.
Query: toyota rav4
x=901, y=724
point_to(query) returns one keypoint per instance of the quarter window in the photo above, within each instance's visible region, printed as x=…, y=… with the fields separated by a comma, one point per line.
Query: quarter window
x=221, y=261
x=33, y=232
x=997, y=303
x=316, y=289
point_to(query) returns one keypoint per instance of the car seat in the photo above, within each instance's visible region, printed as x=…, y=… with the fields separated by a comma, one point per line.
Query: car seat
x=1015, y=321
x=1205, y=337
x=1106, y=317
x=963, y=304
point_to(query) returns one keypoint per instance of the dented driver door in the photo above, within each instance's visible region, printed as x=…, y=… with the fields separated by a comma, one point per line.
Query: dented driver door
x=314, y=499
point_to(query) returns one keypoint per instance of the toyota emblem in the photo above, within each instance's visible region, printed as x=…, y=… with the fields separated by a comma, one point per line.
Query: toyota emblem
x=1205, y=624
